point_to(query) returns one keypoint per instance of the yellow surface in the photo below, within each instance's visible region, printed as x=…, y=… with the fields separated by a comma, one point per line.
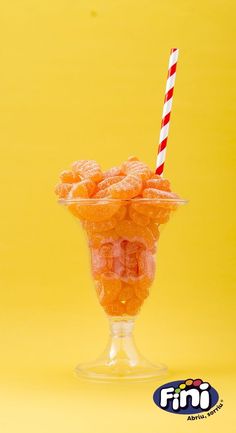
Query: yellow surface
x=85, y=79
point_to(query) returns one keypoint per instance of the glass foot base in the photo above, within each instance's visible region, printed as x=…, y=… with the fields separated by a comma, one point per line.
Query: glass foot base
x=102, y=372
x=121, y=359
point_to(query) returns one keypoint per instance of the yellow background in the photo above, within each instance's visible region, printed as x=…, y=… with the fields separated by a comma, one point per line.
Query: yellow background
x=85, y=79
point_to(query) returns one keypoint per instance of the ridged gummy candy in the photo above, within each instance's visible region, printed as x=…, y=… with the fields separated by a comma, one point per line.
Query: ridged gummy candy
x=165, y=195
x=63, y=189
x=127, y=188
x=88, y=169
x=109, y=181
x=136, y=167
x=160, y=183
x=68, y=176
x=83, y=189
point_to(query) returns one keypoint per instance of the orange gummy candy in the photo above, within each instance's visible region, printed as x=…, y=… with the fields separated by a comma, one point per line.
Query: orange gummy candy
x=138, y=218
x=126, y=292
x=132, y=306
x=149, y=209
x=127, y=188
x=160, y=183
x=109, y=287
x=146, y=263
x=144, y=282
x=101, y=226
x=131, y=231
x=106, y=249
x=141, y=292
x=131, y=262
x=63, y=189
x=121, y=213
x=142, y=263
x=115, y=309
x=109, y=181
x=102, y=193
x=154, y=229
x=68, y=176
x=88, y=169
x=165, y=195
x=83, y=189
x=100, y=211
x=98, y=263
x=136, y=167
x=109, y=264
x=162, y=216
x=113, y=171
x=97, y=239
x=130, y=273
x=132, y=247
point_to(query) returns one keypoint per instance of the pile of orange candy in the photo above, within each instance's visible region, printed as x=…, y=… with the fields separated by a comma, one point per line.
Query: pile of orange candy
x=123, y=232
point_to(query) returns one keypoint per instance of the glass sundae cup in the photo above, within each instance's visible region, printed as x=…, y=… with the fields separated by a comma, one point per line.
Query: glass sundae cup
x=122, y=237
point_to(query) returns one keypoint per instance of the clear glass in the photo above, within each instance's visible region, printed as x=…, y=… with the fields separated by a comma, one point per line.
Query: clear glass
x=122, y=237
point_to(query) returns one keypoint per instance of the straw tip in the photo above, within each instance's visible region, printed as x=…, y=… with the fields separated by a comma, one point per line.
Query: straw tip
x=174, y=49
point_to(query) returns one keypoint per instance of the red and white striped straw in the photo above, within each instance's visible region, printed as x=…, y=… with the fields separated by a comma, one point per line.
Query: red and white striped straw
x=165, y=123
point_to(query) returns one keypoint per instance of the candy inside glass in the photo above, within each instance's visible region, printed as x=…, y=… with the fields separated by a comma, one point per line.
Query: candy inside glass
x=122, y=237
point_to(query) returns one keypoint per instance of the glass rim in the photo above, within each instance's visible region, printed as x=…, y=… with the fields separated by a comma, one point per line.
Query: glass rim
x=106, y=200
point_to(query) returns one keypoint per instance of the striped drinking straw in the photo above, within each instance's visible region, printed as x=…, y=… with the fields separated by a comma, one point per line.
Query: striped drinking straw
x=165, y=123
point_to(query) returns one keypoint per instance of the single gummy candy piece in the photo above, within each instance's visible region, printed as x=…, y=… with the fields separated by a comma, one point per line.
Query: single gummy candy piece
x=108, y=181
x=102, y=193
x=164, y=195
x=83, y=189
x=88, y=169
x=136, y=167
x=149, y=208
x=160, y=183
x=113, y=171
x=127, y=188
x=63, y=189
x=132, y=158
x=109, y=287
x=101, y=211
x=68, y=176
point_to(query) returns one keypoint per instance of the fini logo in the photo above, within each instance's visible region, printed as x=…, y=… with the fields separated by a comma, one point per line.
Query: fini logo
x=186, y=396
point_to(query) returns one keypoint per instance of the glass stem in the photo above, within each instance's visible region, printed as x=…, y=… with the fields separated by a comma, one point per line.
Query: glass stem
x=121, y=347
